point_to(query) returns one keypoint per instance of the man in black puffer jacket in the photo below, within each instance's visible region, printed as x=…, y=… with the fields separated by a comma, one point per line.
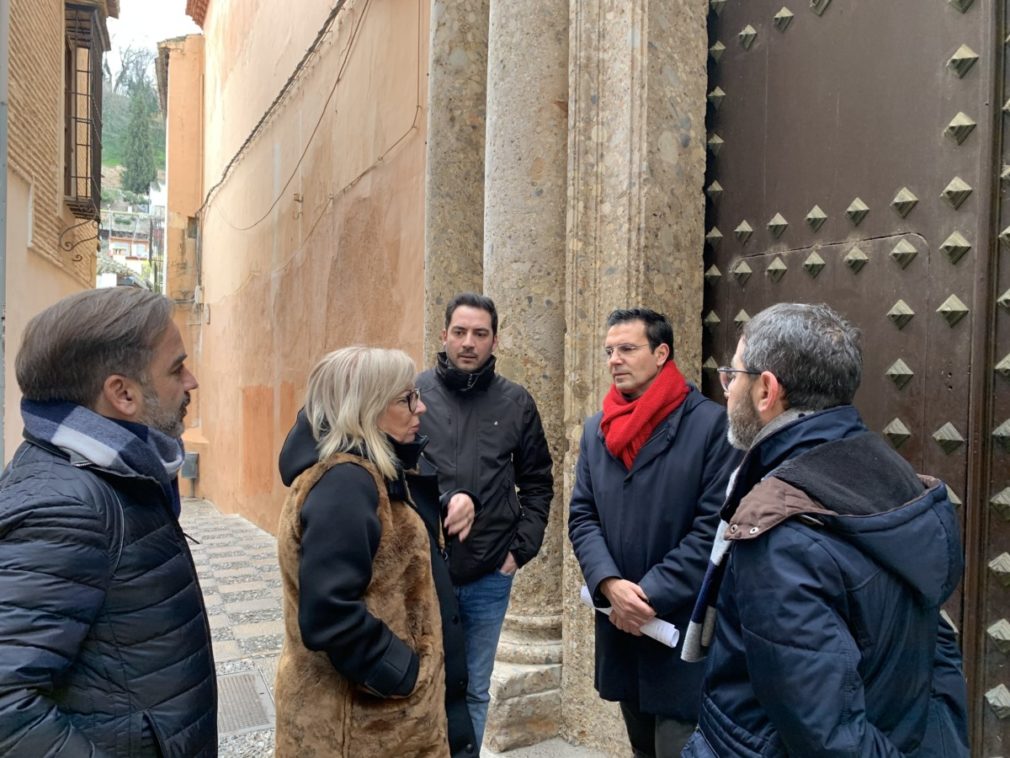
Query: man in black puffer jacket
x=105, y=648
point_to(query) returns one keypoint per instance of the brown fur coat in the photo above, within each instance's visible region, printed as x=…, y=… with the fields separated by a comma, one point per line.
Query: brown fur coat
x=319, y=712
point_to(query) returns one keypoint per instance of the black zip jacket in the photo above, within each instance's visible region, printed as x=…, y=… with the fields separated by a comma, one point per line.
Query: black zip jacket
x=485, y=437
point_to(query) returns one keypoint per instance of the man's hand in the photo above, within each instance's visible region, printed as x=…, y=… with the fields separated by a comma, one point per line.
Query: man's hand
x=459, y=516
x=630, y=606
x=510, y=566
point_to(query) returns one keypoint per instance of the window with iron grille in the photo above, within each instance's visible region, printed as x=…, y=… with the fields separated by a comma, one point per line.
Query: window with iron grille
x=83, y=129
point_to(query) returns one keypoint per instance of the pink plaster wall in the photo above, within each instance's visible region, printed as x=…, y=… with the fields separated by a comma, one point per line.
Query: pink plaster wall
x=336, y=257
x=184, y=155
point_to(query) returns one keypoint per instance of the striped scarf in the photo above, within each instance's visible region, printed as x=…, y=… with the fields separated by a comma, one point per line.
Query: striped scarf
x=120, y=447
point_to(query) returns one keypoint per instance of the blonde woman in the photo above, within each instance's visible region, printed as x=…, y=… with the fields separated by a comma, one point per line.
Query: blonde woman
x=367, y=595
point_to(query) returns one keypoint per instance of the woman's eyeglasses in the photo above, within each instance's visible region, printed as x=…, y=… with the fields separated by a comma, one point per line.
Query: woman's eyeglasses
x=411, y=399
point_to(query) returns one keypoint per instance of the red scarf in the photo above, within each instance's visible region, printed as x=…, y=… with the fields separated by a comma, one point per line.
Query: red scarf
x=628, y=424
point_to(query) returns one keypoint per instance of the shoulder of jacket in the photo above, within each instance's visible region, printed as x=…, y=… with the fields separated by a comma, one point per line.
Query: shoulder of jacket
x=702, y=416
x=346, y=470
x=349, y=480
x=47, y=474
x=771, y=503
x=427, y=378
x=591, y=428
x=49, y=487
x=514, y=391
x=697, y=402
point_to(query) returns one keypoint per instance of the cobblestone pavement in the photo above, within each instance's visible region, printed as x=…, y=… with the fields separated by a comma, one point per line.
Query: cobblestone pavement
x=237, y=564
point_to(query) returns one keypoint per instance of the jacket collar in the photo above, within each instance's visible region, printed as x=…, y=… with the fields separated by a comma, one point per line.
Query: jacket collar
x=787, y=440
x=664, y=434
x=464, y=381
x=408, y=453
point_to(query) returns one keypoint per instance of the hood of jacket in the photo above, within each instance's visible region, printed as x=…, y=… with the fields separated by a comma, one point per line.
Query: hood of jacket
x=855, y=485
x=299, y=451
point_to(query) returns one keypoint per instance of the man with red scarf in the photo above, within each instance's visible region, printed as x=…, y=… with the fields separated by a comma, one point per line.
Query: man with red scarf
x=651, y=476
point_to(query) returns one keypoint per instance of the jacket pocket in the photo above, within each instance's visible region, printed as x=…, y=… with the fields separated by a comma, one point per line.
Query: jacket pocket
x=415, y=725
x=152, y=741
x=510, y=496
x=726, y=738
x=493, y=529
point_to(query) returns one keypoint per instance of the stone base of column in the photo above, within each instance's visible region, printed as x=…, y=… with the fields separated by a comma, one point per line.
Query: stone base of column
x=525, y=703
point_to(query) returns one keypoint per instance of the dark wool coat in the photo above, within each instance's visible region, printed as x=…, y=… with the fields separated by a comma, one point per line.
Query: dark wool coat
x=828, y=640
x=362, y=670
x=652, y=525
x=104, y=642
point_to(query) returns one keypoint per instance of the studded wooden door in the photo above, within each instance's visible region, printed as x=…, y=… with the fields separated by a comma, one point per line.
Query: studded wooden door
x=855, y=154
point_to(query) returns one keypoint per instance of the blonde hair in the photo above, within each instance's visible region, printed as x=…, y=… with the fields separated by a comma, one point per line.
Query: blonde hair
x=349, y=389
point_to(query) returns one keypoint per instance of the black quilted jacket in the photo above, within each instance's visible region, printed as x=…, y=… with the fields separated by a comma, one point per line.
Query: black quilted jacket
x=104, y=644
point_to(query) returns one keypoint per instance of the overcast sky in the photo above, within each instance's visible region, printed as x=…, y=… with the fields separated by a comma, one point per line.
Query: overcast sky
x=147, y=22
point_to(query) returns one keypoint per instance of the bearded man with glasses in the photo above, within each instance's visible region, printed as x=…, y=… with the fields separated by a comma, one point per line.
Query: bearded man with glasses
x=652, y=472
x=820, y=612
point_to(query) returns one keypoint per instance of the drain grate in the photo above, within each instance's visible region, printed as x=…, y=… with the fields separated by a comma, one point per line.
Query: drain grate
x=244, y=703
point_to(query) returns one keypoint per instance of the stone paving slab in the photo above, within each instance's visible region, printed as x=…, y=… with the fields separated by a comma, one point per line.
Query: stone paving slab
x=556, y=748
x=250, y=606
x=261, y=629
x=237, y=565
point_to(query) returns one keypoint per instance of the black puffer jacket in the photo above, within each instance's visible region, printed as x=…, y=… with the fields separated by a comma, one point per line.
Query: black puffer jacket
x=104, y=644
x=486, y=438
x=419, y=487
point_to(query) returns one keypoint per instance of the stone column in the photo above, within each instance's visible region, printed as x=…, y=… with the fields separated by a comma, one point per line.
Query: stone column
x=454, y=179
x=636, y=156
x=524, y=272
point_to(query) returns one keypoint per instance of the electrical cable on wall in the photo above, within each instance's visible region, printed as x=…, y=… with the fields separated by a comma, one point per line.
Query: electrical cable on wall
x=375, y=163
x=309, y=53
x=413, y=125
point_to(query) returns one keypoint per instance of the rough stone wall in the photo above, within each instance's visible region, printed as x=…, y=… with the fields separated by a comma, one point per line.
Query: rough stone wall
x=454, y=166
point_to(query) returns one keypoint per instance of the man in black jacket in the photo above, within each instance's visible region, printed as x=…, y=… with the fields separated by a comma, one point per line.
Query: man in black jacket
x=105, y=647
x=486, y=439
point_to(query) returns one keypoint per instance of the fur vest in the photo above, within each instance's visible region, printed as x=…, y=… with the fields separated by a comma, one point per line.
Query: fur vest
x=321, y=713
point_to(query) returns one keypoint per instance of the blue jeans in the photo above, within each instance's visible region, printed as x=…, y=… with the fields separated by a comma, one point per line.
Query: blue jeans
x=482, y=606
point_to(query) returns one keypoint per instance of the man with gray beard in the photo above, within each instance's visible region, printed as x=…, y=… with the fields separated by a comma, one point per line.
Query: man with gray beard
x=830, y=566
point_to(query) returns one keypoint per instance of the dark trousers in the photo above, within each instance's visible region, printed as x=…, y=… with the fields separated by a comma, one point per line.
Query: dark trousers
x=655, y=736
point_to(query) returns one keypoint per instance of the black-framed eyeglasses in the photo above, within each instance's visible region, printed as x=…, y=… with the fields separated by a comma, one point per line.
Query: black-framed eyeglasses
x=622, y=351
x=727, y=374
x=411, y=399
